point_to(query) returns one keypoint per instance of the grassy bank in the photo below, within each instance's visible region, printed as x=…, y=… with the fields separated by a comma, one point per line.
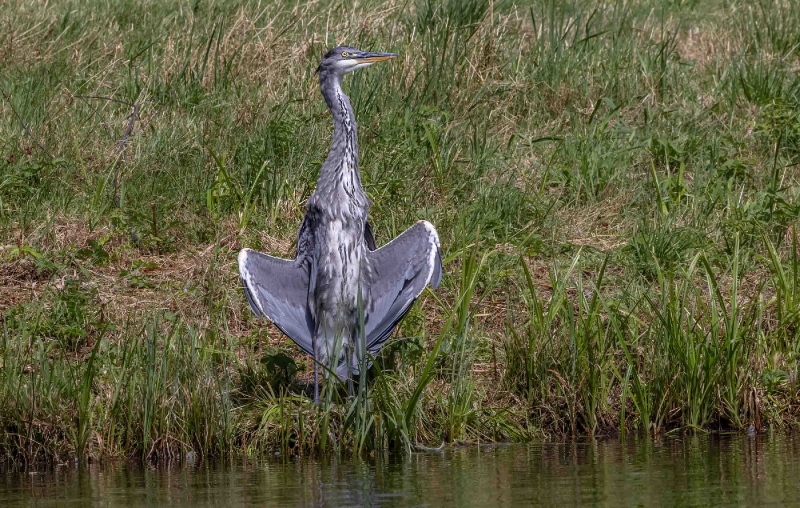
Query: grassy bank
x=614, y=184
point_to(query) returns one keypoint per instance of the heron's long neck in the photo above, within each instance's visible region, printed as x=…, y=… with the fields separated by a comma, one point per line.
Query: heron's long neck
x=341, y=166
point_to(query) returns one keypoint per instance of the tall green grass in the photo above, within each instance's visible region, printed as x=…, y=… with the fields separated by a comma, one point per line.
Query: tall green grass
x=614, y=184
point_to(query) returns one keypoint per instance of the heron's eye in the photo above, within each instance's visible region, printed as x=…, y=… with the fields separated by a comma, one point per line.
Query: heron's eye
x=344, y=54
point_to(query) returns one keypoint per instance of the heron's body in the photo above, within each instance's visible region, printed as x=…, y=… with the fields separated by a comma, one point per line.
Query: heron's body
x=314, y=298
x=336, y=217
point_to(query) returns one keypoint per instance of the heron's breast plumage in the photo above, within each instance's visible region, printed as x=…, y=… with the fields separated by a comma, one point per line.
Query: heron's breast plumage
x=339, y=247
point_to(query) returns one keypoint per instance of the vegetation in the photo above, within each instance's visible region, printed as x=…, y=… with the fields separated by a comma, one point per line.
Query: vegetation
x=614, y=183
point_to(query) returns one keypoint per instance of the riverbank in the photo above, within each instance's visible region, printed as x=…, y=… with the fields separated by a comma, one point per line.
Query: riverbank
x=615, y=189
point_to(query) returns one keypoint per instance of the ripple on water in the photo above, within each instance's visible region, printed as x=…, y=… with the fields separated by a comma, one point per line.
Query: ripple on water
x=692, y=471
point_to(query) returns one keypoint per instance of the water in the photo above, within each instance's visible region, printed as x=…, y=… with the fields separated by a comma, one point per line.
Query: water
x=719, y=471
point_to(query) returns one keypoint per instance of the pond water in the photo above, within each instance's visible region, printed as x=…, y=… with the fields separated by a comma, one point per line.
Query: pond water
x=694, y=471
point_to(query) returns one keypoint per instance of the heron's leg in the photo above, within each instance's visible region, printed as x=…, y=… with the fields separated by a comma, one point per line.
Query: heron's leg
x=316, y=377
x=348, y=356
x=316, y=383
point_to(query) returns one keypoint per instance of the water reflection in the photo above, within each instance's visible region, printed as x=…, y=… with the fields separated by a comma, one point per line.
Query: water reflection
x=688, y=471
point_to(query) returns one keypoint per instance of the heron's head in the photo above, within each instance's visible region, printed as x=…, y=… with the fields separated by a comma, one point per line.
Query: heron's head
x=344, y=59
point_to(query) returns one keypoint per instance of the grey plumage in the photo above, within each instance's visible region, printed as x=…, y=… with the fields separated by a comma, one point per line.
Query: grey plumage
x=399, y=272
x=313, y=299
x=277, y=289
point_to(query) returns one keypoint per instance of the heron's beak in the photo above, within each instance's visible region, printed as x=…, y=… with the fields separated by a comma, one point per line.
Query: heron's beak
x=374, y=57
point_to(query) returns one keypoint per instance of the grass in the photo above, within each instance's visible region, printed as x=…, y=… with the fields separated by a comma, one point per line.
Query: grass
x=614, y=184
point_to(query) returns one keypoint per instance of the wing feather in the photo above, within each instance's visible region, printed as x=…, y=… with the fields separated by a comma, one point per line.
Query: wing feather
x=399, y=272
x=278, y=290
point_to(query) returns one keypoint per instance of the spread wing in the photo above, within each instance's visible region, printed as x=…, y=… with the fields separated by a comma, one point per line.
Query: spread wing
x=278, y=290
x=399, y=272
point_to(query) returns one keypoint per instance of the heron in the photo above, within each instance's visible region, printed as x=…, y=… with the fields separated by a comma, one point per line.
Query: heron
x=341, y=294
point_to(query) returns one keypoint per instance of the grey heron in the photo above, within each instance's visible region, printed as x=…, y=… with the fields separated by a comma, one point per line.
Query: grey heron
x=314, y=299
